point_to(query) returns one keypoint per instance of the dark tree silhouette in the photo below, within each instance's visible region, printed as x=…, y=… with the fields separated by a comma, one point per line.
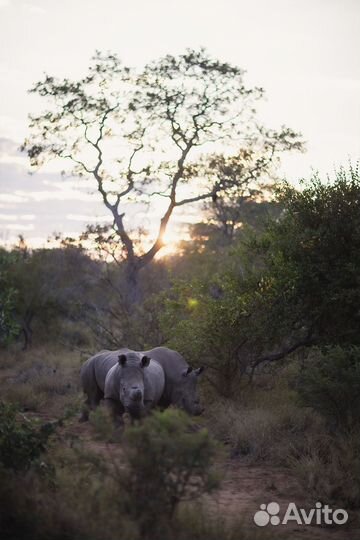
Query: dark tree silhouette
x=150, y=137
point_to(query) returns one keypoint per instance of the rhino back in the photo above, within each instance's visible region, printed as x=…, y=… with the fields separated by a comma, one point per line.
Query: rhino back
x=171, y=361
x=154, y=382
x=98, y=366
x=173, y=365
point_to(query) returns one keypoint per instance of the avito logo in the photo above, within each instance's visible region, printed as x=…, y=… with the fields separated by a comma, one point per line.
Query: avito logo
x=320, y=515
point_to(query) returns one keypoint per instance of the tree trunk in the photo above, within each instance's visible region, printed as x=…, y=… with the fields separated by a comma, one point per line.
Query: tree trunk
x=27, y=330
x=132, y=292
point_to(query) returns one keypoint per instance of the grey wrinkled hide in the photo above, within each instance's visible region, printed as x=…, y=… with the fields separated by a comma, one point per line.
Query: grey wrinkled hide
x=180, y=380
x=129, y=387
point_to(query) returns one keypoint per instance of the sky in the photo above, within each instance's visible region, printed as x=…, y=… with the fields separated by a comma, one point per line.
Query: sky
x=304, y=53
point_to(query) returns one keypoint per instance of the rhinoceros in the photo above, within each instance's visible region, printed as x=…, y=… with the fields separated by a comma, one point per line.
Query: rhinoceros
x=180, y=380
x=128, y=381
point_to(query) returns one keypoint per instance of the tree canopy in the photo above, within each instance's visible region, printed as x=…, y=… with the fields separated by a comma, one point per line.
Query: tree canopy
x=294, y=285
x=179, y=131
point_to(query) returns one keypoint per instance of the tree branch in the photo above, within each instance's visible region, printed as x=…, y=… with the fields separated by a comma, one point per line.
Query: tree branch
x=307, y=341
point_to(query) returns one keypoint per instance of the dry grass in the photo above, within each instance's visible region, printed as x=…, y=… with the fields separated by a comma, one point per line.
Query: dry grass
x=328, y=467
x=264, y=424
x=41, y=379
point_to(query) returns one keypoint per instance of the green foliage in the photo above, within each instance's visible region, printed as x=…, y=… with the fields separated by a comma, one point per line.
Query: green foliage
x=9, y=327
x=330, y=383
x=313, y=256
x=207, y=329
x=168, y=462
x=41, y=288
x=297, y=284
x=21, y=443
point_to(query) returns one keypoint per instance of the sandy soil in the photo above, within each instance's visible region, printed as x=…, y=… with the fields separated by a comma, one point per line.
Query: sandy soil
x=245, y=487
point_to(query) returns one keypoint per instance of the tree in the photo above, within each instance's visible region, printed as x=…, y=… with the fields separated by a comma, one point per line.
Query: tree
x=294, y=286
x=313, y=257
x=139, y=135
x=43, y=287
x=249, y=177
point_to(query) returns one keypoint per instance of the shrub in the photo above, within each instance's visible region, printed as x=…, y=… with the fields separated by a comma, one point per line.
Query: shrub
x=103, y=423
x=168, y=462
x=330, y=383
x=21, y=443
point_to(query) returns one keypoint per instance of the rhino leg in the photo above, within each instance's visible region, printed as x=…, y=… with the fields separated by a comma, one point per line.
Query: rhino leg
x=94, y=396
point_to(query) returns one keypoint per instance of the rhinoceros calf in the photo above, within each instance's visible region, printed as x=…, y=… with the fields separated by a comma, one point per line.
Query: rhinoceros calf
x=128, y=381
x=180, y=380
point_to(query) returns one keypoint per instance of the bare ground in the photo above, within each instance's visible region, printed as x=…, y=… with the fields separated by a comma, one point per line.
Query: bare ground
x=245, y=487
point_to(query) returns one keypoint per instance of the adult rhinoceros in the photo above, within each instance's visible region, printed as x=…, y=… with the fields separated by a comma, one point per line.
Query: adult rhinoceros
x=128, y=381
x=180, y=380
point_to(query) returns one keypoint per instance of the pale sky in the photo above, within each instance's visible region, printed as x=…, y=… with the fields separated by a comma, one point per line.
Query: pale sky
x=304, y=53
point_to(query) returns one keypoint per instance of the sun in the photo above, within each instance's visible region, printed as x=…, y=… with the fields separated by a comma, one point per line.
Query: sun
x=172, y=240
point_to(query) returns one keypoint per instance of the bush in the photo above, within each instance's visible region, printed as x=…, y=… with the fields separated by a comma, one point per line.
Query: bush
x=330, y=383
x=168, y=462
x=21, y=443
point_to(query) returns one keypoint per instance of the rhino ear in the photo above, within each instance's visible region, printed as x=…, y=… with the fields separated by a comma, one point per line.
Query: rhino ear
x=122, y=359
x=145, y=361
x=186, y=372
x=199, y=371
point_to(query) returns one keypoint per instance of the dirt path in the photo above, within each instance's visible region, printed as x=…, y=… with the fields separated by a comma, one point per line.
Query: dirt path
x=244, y=488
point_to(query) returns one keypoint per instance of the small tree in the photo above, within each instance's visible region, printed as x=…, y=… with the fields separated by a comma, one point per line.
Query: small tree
x=139, y=136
